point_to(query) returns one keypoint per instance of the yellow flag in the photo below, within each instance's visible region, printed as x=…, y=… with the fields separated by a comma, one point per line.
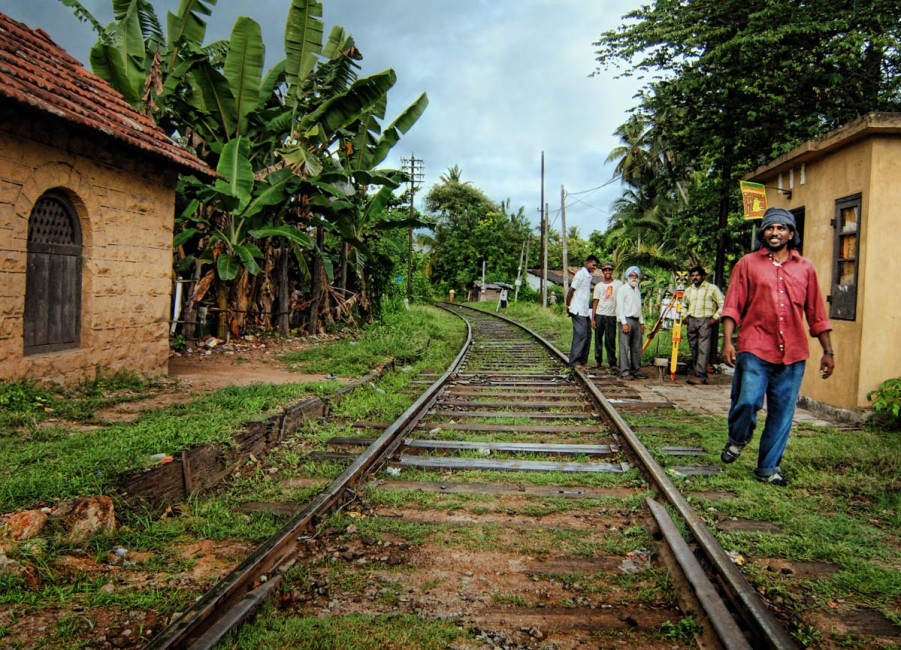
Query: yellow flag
x=753, y=198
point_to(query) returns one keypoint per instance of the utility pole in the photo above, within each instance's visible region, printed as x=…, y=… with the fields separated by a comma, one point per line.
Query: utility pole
x=522, y=252
x=547, y=226
x=525, y=264
x=482, y=295
x=563, y=228
x=543, y=239
x=414, y=169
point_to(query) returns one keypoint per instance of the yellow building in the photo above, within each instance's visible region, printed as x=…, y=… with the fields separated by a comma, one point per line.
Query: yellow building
x=845, y=191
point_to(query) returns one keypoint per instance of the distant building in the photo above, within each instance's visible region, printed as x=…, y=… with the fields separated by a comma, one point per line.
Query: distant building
x=492, y=292
x=845, y=192
x=555, y=277
x=87, y=192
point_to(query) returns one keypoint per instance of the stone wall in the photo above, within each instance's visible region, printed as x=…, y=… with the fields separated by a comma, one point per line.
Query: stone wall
x=125, y=205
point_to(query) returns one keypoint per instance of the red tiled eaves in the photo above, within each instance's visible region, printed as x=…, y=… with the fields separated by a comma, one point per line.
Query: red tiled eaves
x=37, y=72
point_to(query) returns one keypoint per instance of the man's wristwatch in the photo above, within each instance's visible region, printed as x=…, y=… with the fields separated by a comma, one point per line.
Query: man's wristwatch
x=831, y=353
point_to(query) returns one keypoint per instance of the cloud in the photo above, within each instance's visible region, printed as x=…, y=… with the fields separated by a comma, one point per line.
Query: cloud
x=506, y=79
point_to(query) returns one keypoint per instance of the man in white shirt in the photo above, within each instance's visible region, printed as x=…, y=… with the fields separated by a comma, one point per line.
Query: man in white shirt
x=578, y=304
x=603, y=317
x=631, y=320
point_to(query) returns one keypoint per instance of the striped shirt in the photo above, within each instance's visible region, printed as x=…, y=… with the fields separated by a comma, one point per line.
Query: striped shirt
x=704, y=301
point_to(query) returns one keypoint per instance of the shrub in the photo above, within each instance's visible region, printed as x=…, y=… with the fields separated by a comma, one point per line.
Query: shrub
x=887, y=402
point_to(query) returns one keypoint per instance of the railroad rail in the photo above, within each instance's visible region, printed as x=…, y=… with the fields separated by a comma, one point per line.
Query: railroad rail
x=506, y=382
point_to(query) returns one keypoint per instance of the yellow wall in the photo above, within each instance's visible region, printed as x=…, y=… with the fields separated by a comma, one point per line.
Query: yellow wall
x=880, y=356
x=125, y=205
x=868, y=349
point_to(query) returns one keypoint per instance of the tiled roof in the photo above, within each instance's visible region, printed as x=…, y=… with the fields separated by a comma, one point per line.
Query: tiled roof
x=36, y=71
x=556, y=275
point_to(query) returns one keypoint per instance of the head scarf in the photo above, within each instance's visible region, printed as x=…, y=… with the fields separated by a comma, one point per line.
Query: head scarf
x=632, y=269
x=780, y=216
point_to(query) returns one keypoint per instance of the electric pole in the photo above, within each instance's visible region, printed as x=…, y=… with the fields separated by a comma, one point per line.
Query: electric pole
x=543, y=240
x=563, y=228
x=414, y=167
x=522, y=252
x=547, y=227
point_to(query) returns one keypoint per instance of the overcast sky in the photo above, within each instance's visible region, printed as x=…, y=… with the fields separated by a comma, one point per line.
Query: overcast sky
x=506, y=80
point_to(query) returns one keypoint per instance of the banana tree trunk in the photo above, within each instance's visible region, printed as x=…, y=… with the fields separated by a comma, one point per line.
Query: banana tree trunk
x=318, y=298
x=342, y=277
x=190, y=312
x=284, y=292
x=222, y=305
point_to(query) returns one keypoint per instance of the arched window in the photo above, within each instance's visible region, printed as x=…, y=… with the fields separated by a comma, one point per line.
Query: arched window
x=53, y=280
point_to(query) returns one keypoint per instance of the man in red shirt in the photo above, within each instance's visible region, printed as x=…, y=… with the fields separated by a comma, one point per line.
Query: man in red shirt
x=770, y=292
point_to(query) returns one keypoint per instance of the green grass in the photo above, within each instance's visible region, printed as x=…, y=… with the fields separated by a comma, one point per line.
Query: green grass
x=89, y=462
x=41, y=465
x=25, y=404
x=404, y=335
x=388, y=632
x=842, y=507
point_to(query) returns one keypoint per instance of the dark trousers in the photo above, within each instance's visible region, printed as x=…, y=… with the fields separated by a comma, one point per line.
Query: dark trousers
x=700, y=337
x=630, y=348
x=578, y=353
x=605, y=339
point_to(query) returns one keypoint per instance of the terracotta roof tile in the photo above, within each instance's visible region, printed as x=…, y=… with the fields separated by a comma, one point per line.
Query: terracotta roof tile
x=36, y=71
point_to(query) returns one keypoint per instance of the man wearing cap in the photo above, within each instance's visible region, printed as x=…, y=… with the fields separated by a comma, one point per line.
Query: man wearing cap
x=631, y=321
x=703, y=302
x=578, y=304
x=603, y=317
x=770, y=293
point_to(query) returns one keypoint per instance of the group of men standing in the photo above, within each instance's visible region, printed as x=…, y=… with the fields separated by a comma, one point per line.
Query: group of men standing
x=613, y=310
x=771, y=292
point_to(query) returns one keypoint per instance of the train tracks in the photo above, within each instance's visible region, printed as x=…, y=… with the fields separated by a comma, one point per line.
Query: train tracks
x=516, y=502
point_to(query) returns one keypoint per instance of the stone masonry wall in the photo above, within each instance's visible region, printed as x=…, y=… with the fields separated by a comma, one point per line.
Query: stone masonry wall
x=125, y=205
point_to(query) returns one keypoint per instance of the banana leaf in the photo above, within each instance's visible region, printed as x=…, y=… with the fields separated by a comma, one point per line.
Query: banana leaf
x=243, y=68
x=234, y=165
x=291, y=233
x=303, y=41
x=107, y=63
x=342, y=110
x=217, y=96
x=399, y=126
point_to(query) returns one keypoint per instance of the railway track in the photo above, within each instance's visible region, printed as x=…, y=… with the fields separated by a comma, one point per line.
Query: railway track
x=538, y=517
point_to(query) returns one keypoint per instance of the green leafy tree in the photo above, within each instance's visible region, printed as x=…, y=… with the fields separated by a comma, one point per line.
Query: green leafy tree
x=469, y=229
x=736, y=83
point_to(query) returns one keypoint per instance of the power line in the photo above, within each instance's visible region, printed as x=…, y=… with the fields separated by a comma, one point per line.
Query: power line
x=615, y=178
x=601, y=210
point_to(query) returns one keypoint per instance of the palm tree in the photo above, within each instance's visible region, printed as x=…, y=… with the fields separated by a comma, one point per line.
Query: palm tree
x=634, y=160
x=454, y=175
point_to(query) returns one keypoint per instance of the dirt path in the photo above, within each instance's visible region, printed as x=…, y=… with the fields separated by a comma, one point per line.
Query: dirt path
x=204, y=370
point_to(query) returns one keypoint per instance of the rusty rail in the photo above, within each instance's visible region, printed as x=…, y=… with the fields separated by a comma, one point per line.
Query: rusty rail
x=766, y=628
x=239, y=593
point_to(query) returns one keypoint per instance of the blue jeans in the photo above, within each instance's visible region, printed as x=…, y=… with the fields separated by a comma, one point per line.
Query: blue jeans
x=781, y=384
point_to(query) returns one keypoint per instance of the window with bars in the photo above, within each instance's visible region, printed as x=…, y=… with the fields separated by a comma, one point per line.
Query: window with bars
x=53, y=280
x=845, y=266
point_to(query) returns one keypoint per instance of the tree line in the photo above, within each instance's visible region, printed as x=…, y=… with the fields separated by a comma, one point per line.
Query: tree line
x=731, y=85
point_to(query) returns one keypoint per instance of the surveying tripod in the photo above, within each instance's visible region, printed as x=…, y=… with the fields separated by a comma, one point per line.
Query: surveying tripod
x=675, y=308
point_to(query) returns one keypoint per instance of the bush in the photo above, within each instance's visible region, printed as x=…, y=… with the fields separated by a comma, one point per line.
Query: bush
x=887, y=402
